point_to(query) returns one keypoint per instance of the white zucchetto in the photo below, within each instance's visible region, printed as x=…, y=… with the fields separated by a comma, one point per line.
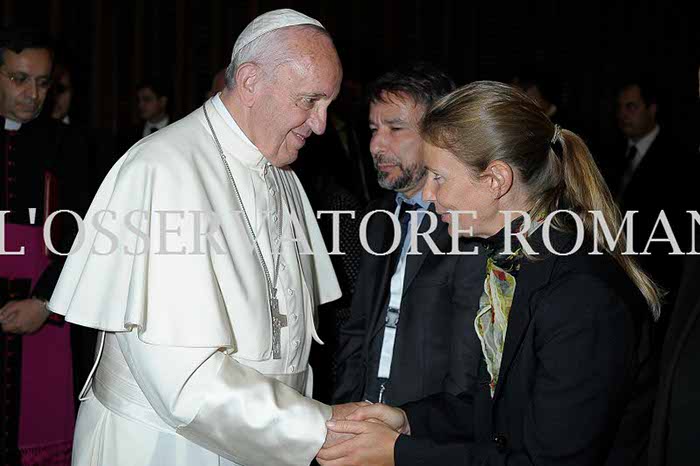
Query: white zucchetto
x=268, y=22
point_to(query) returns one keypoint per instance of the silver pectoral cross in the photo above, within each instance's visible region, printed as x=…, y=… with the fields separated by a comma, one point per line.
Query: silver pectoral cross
x=278, y=321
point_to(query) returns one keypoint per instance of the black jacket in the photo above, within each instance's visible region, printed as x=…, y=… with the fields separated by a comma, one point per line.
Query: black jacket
x=433, y=293
x=46, y=153
x=577, y=377
x=658, y=184
x=674, y=430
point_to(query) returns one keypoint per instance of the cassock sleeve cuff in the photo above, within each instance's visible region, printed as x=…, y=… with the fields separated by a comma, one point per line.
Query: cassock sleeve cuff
x=249, y=418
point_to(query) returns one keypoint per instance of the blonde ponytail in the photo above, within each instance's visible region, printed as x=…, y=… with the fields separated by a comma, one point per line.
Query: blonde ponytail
x=486, y=121
x=585, y=191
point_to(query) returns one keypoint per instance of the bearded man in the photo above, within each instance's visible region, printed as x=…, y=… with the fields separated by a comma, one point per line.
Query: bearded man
x=395, y=347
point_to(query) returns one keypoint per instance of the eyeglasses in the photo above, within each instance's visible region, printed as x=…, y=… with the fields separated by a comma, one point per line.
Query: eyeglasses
x=22, y=79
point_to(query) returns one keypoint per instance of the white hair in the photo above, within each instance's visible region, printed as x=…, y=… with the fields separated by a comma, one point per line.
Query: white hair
x=269, y=51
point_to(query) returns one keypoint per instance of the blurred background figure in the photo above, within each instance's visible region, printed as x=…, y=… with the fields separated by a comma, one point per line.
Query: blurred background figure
x=674, y=440
x=61, y=94
x=153, y=107
x=649, y=169
x=637, y=108
x=546, y=89
x=218, y=83
x=542, y=89
x=62, y=106
x=152, y=100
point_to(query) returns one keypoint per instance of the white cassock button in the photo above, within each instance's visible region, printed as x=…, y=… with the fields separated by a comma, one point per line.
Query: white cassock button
x=277, y=241
x=290, y=292
x=272, y=191
x=295, y=317
x=295, y=344
x=274, y=218
x=283, y=266
x=292, y=368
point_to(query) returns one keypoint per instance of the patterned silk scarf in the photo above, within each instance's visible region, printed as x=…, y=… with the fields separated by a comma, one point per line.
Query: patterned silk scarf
x=491, y=322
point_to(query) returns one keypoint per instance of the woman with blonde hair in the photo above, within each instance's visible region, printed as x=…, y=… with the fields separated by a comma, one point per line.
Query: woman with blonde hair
x=562, y=369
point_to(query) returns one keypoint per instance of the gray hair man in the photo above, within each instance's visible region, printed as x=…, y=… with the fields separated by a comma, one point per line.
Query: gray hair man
x=208, y=319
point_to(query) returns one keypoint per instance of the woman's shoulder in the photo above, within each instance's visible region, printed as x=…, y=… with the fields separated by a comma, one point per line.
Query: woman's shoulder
x=568, y=252
x=574, y=263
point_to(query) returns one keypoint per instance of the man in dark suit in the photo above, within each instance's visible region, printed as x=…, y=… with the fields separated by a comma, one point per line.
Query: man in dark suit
x=673, y=440
x=643, y=179
x=395, y=347
x=152, y=102
x=637, y=109
x=674, y=428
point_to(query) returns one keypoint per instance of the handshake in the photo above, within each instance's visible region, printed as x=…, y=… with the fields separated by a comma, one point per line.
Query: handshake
x=362, y=434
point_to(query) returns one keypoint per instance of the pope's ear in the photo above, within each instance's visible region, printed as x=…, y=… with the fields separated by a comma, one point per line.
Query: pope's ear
x=248, y=80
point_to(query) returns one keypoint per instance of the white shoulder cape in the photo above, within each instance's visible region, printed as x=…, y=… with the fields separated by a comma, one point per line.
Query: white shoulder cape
x=210, y=299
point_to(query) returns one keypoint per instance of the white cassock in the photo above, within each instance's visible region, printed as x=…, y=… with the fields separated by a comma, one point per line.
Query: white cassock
x=187, y=375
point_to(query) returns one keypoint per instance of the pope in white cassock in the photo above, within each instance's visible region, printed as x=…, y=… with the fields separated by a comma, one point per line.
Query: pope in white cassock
x=207, y=324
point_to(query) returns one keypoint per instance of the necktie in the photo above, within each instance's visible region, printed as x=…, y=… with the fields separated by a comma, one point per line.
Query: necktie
x=404, y=221
x=631, y=153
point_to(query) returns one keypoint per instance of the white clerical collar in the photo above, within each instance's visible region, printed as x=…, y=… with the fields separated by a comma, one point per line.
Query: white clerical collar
x=160, y=124
x=12, y=125
x=644, y=143
x=255, y=157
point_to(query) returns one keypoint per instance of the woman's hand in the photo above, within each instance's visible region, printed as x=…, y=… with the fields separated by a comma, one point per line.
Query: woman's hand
x=392, y=417
x=372, y=445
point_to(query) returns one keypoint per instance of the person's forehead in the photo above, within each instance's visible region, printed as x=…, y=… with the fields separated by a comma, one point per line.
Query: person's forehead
x=314, y=50
x=146, y=92
x=319, y=79
x=394, y=105
x=435, y=157
x=630, y=93
x=433, y=151
x=30, y=61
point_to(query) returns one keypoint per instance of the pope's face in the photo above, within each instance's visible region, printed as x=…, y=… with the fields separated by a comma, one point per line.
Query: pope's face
x=293, y=103
x=25, y=79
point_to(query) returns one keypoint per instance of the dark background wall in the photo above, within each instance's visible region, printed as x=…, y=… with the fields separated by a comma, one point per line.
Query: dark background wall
x=587, y=45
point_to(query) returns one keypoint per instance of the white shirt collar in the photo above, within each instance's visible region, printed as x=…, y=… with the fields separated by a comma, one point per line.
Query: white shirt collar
x=415, y=199
x=256, y=158
x=160, y=124
x=12, y=125
x=645, y=142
